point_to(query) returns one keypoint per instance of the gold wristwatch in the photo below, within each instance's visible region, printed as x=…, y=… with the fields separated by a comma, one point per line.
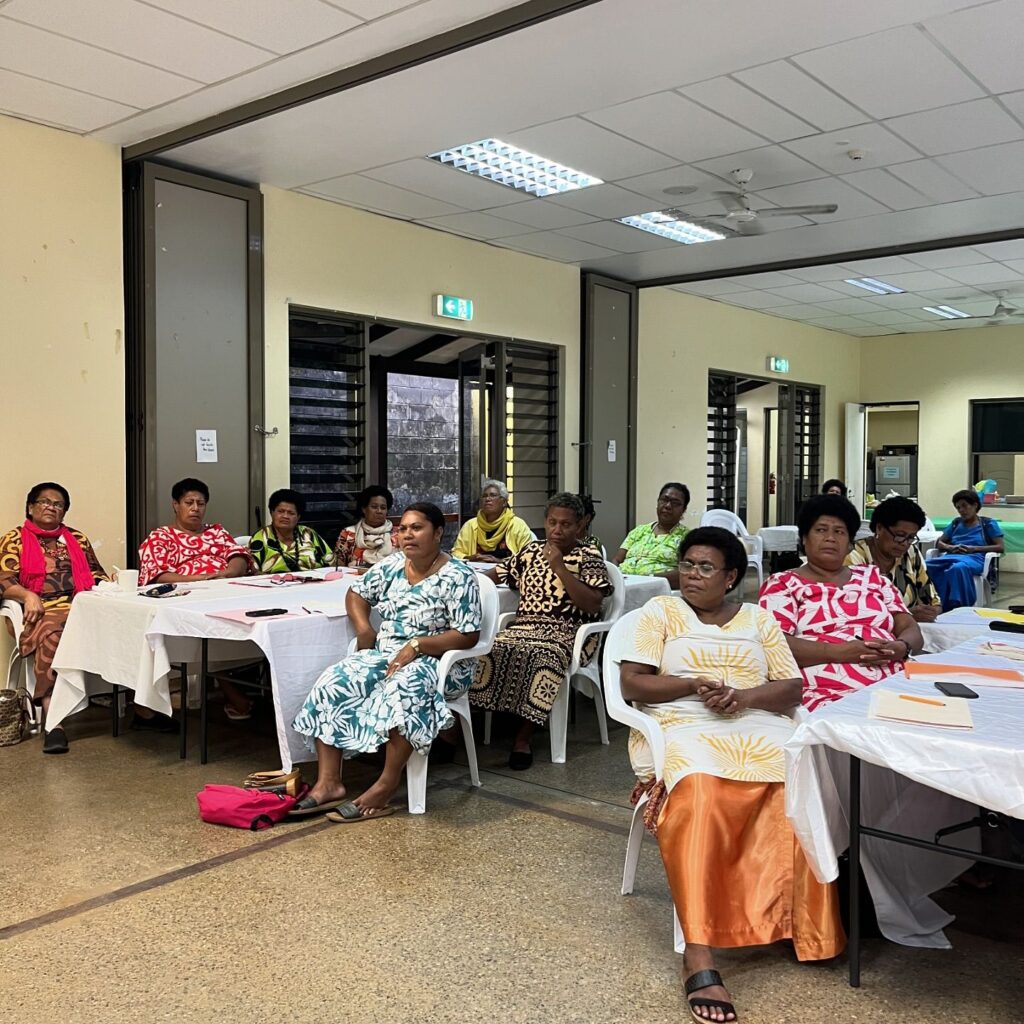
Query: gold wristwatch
x=414, y=643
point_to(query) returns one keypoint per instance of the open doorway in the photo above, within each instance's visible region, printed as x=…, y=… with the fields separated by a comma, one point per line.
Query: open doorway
x=882, y=448
x=429, y=414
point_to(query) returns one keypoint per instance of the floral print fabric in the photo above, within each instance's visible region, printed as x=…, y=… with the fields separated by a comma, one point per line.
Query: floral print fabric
x=649, y=553
x=168, y=549
x=355, y=704
x=747, y=651
x=830, y=613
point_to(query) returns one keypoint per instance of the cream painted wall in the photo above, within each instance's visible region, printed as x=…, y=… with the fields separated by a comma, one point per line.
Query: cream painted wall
x=681, y=338
x=891, y=427
x=62, y=327
x=944, y=370
x=333, y=257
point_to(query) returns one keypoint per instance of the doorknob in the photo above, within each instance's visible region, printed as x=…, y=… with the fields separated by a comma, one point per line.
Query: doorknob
x=262, y=430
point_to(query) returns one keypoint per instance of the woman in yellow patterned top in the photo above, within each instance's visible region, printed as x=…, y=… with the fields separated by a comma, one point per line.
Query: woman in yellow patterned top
x=720, y=680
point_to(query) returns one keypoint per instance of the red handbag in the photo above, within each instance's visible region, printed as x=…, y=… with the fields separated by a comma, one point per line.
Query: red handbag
x=243, y=808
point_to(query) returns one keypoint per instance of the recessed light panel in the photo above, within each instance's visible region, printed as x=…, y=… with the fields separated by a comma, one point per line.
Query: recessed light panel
x=870, y=284
x=517, y=168
x=670, y=227
x=947, y=312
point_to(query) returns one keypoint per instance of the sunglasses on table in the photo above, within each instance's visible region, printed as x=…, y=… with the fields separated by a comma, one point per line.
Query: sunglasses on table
x=282, y=580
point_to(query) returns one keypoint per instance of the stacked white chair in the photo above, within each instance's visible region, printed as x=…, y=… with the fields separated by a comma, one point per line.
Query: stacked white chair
x=755, y=545
x=18, y=665
x=585, y=679
x=623, y=711
x=416, y=767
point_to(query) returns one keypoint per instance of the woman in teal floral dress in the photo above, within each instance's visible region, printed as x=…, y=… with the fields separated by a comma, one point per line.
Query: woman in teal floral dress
x=387, y=694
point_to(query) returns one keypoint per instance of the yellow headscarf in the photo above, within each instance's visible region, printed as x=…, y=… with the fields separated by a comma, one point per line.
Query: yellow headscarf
x=497, y=530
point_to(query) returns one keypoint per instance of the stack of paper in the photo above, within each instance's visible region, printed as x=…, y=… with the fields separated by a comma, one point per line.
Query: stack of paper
x=1000, y=615
x=945, y=712
x=969, y=675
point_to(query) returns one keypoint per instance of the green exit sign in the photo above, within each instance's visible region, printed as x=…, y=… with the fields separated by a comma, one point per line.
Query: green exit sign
x=777, y=364
x=452, y=307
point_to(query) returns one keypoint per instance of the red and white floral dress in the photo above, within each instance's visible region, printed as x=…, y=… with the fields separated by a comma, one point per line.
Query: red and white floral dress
x=830, y=613
x=168, y=549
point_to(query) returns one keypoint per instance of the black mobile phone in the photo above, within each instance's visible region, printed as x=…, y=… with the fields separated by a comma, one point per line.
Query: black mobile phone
x=955, y=690
x=1005, y=627
x=1017, y=609
x=160, y=590
x=261, y=613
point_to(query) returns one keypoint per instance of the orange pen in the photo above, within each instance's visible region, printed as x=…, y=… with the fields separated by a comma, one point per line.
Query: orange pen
x=923, y=700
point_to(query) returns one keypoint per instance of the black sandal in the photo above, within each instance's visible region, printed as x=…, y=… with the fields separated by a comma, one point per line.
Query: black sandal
x=705, y=979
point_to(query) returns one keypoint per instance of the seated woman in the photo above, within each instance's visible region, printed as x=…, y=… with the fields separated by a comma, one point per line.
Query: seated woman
x=847, y=626
x=44, y=565
x=587, y=535
x=285, y=545
x=189, y=550
x=370, y=540
x=894, y=526
x=650, y=548
x=964, y=544
x=386, y=694
x=561, y=585
x=721, y=682
x=834, y=486
x=496, y=532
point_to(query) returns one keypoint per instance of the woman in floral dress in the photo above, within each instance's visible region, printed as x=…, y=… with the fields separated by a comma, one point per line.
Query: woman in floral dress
x=387, y=693
x=847, y=626
x=720, y=680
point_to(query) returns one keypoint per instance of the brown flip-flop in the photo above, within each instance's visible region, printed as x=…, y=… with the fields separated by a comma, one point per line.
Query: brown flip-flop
x=348, y=813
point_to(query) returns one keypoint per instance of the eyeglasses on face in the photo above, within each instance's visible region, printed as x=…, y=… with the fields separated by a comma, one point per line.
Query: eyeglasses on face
x=703, y=569
x=57, y=506
x=900, y=537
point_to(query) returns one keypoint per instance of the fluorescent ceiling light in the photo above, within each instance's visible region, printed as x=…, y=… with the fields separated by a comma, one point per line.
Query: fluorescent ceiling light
x=509, y=165
x=670, y=227
x=869, y=284
x=947, y=312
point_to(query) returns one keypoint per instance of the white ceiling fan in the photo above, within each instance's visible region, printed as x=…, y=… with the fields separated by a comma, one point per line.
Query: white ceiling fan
x=1003, y=313
x=739, y=218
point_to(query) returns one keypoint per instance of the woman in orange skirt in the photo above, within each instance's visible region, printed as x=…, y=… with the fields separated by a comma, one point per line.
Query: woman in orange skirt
x=720, y=680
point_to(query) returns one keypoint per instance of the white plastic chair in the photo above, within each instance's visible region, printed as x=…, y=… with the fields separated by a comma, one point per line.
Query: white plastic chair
x=585, y=679
x=416, y=766
x=242, y=540
x=623, y=711
x=19, y=664
x=751, y=541
x=982, y=587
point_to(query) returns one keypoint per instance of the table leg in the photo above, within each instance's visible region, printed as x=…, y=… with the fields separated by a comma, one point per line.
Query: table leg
x=183, y=724
x=115, y=724
x=203, y=669
x=854, y=937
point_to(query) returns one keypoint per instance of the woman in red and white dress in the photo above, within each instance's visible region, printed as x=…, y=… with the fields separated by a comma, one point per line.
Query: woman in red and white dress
x=186, y=550
x=847, y=626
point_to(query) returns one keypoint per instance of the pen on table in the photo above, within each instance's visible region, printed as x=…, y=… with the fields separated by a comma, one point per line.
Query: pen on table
x=923, y=700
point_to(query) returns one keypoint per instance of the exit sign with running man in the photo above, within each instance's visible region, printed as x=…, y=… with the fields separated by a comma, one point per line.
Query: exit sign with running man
x=452, y=307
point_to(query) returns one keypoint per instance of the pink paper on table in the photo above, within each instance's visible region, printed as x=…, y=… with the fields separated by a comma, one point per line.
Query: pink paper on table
x=238, y=615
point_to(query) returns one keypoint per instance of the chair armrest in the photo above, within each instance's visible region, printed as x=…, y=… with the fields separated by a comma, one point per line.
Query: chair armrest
x=12, y=610
x=990, y=557
x=451, y=658
x=648, y=727
x=505, y=619
x=583, y=634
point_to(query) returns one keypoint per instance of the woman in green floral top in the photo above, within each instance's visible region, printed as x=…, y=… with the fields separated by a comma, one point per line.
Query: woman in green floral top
x=652, y=549
x=284, y=545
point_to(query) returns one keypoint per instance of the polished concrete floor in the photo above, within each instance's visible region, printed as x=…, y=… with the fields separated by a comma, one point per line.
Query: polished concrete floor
x=499, y=904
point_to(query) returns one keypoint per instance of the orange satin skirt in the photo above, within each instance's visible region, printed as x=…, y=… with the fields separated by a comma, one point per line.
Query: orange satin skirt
x=737, y=873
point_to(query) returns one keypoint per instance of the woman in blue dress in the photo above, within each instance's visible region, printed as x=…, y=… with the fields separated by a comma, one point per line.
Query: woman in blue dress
x=963, y=544
x=387, y=693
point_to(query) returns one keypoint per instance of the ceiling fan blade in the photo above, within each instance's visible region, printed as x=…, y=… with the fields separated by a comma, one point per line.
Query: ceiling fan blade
x=798, y=211
x=750, y=227
x=705, y=221
x=732, y=200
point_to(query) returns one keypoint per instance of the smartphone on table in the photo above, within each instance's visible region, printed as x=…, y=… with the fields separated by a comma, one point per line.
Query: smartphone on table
x=955, y=690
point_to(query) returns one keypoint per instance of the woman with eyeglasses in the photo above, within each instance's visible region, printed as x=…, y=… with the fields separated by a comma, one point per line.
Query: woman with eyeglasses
x=496, y=533
x=721, y=682
x=650, y=548
x=892, y=547
x=846, y=625
x=44, y=565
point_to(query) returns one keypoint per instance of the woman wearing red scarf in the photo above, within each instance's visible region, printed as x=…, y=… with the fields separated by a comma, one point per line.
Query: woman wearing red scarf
x=43, y=565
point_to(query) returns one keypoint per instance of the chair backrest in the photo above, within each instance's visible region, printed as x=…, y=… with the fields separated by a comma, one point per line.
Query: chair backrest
x=243, y=540
x=726, y=520
x=618, y=707
x=929, y=526
x=489, y=608
x=611, y=607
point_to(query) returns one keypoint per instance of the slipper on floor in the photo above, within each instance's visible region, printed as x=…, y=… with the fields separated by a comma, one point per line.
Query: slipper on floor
x=308, y=806
x=705, y=979
x=347, y=813
x=234, y=715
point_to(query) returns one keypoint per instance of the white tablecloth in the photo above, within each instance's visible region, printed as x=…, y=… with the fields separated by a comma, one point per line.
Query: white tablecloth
x=132, y=641
x=951, y=629
x=926, y=779
x=779, y=538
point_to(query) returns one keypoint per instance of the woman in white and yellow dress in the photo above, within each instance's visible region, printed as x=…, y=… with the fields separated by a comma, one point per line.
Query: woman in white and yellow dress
x=720, y=680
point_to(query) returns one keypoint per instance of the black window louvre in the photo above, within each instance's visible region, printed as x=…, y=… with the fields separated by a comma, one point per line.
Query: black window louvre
x=721, y=441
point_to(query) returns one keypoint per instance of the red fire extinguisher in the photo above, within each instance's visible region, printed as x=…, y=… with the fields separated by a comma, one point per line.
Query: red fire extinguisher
x=771, y=483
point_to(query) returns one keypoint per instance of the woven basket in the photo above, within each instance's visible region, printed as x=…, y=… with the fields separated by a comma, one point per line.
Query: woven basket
x=14, y=716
